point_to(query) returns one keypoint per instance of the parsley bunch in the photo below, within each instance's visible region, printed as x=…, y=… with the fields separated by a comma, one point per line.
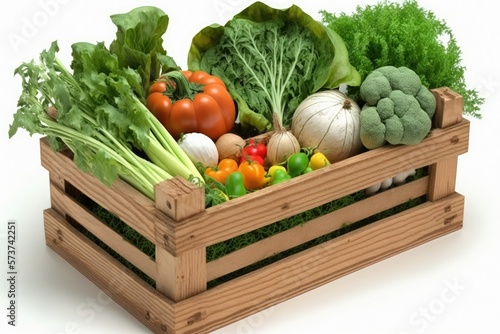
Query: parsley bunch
x=404, y=35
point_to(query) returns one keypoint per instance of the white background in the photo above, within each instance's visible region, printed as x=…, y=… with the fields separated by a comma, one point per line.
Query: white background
x=391, y=297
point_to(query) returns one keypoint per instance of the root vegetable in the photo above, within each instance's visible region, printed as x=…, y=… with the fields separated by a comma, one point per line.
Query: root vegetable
x=281, y=145
x=199, y=148
x=229, y=146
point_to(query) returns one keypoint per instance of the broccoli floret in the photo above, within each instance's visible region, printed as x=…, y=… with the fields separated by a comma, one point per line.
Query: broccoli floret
x=374, y=129
x=417, y=125
x=376, y=88
x=398, y=108
x=426, y=100
x=395, y=130
x=401, y=78
x=385, y=108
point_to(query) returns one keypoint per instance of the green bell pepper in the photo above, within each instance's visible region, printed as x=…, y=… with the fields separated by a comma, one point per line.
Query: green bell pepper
x=234, y=185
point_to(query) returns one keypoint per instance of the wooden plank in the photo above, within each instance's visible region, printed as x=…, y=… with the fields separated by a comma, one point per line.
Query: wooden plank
x=442, y=176
x=84, y=217
x=120, y=199
x=56, y=181
x=283, y=200
x=449, y=107
x=180, y=276
x=141, y=300
x=316, y=228
x=299, y=273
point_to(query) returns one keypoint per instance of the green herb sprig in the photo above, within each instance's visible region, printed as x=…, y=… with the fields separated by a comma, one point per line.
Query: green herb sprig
x=405, y=35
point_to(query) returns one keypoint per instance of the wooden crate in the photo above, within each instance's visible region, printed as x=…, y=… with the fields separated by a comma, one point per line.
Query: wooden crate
x=182, y=229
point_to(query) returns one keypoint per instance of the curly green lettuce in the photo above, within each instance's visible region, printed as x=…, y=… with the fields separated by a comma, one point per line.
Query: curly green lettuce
x=405, y=34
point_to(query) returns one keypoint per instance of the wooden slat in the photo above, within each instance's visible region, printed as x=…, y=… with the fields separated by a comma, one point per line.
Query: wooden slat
x=141, y=300
x=56, y=181
x=316, y=228
x=182, y=276
x=283, y=200
x=443, y=176
x=265, y=287
x=98, y=228
x=121, y=199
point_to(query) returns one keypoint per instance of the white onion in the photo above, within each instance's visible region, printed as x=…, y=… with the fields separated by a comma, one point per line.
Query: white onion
x=281, y=144
x=200, y=148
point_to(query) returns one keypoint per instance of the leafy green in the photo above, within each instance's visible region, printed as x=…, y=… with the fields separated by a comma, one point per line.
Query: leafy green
x=139, y=43
x=404, y=35
x=271, y=60
x=97, y=113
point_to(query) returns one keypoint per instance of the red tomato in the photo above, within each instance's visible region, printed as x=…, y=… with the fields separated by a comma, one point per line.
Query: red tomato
x=256, y=158
x=255, y=148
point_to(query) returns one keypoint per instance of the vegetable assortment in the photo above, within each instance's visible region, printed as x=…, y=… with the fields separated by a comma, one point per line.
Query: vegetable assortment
x=405, y=34
x=96, y=113
x=128, y=111
x=271, y=60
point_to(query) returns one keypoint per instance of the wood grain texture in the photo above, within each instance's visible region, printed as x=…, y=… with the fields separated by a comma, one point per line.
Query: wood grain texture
x=315, y=228
x=179, y=199
x=180, y=276
x=182, y=229
x=141, y=300
x=442, y=176
x=443, y=173
x=283, y=200
x=314, y=267
x=449, y=107
x=70, y=207
x=121, y=199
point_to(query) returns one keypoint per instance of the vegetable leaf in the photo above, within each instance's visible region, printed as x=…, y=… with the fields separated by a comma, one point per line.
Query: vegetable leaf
x=271, y=60
x=98, y=111
x=139, y=43
x=404, y=35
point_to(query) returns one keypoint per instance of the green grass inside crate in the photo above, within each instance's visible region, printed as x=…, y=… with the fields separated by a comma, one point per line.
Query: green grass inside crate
x=223, y=248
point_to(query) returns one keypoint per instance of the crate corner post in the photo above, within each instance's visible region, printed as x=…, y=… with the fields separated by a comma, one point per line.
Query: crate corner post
x=180, y=276
x=443, y=174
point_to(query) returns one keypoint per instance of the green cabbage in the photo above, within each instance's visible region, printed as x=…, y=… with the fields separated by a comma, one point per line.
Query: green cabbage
x=271, y=60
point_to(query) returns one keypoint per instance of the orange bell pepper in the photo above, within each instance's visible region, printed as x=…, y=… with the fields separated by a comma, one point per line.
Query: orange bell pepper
x=222, y=170
x=255, y=176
